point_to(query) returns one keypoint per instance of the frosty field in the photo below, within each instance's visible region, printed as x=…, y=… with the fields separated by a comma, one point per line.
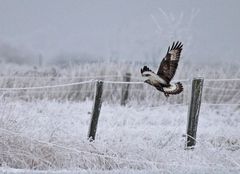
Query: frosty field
x=53, y=136
x=45, y=130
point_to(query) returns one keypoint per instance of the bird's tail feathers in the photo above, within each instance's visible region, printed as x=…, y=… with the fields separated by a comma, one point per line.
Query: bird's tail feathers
x=174, y=88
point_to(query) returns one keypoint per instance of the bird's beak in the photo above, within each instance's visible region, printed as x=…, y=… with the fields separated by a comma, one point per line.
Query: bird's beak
x=147, y=81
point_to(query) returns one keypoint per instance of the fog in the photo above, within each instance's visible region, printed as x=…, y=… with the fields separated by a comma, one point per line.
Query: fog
x=60, y=30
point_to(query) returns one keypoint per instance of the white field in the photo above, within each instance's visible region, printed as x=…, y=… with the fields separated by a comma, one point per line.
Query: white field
x=49, y=134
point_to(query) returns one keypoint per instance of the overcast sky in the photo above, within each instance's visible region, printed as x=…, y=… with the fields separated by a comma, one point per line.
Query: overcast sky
x=123, y=29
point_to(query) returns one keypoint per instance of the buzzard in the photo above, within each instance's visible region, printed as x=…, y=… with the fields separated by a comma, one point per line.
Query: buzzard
x=166, y=71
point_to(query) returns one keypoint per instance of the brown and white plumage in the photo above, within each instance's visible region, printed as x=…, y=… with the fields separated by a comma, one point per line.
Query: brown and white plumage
x=166, y=72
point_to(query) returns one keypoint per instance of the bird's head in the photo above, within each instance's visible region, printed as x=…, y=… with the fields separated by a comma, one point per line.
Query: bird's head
x=146, y=76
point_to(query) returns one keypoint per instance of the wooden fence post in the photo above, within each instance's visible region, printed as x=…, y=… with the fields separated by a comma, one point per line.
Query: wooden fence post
x=125, y=89
x=96, y=110
x=193, y=112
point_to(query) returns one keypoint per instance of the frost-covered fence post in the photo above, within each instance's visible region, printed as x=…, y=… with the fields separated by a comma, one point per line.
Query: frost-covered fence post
x=193, y=112
x=96, y=110
x=125, y=89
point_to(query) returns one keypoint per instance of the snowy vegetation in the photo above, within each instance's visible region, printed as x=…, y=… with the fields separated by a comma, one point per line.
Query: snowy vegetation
x=14, y=76
x=46, y=129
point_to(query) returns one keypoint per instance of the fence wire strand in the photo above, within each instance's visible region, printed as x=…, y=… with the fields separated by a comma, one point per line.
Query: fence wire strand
x=44, y=87
x=220, y=80
x=121, y=82
x=229, y=89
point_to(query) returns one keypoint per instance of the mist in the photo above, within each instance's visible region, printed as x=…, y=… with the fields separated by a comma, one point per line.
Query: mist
x=59, y=31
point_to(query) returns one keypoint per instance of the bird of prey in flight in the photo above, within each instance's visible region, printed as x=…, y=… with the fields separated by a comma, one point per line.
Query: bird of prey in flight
x=166, y=71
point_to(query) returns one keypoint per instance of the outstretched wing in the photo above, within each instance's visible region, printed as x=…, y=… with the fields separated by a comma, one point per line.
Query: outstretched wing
x=169, y=63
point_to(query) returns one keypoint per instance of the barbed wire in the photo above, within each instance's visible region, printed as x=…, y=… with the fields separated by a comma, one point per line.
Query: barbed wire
x=68, y=78
x=51, y=91
x=122, y=82
x=138, y=82
x=221, y=104
x=217, y=95
x=225, y=89
x=220, y=80
x=59, y=77
x=106, y=82
x=43, y=87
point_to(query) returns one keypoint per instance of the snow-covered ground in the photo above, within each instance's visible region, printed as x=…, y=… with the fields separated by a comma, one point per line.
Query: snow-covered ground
x=44, y=136
x=45, y=130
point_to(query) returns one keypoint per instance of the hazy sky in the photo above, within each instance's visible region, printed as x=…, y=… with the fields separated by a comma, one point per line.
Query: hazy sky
x=124, y=29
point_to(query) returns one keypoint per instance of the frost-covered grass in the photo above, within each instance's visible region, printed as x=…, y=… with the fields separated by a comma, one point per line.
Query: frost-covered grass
x=48, y=135
x=46, y=129
x=13, y=76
